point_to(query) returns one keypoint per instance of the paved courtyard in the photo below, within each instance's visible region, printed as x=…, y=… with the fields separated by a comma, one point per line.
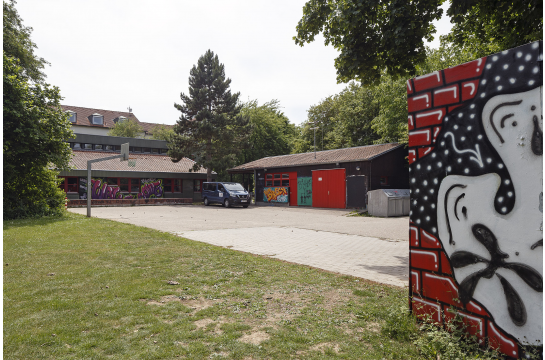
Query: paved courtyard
x=371, y=248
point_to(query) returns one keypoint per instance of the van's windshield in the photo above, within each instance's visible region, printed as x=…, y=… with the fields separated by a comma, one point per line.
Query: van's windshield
x=234, y=187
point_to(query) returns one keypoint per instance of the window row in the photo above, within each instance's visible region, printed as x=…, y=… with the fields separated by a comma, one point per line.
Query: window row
x=95, y=119
x=277, y=179
x=101, y=147
x=70, y=184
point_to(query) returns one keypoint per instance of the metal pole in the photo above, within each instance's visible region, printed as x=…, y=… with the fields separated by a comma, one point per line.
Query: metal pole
x=315, y=143
x=89, y=185
x=89, y=165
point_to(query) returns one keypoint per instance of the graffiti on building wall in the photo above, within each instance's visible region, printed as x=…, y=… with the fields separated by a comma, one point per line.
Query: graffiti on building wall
x=304, y=191
x=150, y=188
x=476, y=231
x=275, y=194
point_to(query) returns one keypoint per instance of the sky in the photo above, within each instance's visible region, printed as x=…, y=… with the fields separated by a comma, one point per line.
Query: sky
x=117, y=54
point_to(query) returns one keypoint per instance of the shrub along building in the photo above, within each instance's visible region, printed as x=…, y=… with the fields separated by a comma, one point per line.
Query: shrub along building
x=331, y=178
x=149, y=175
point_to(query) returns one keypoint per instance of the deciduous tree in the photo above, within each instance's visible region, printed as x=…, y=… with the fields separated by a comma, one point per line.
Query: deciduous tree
x=210, y=129
x=370, y=35
x=127, y=128
x=271, y=132
x=375, y=38
x=35, y=134
x=162, y=132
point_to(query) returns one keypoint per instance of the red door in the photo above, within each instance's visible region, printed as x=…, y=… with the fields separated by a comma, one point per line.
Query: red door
x=293, y=188
x=336, y=187
x=319, y=189
x=329, y=188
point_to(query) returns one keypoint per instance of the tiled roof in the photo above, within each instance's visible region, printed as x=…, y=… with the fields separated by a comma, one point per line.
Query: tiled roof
x=82, y=115
x=148, y=127
x=144, y=162
x=360, y=153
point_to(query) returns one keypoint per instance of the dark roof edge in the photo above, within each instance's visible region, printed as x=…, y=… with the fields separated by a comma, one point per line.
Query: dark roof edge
x=386, y=151
x=321, y=163
x=321, y=151
x=304, y=164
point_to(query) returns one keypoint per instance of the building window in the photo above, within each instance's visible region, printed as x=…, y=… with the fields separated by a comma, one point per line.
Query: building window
x=98, y=147
x=384, y=180
x=109, y=147
x=277, y=179
x=124, y=185
x=155, y=151
x=134, y=185
x=177, y=185
x=87, y=146
x=111, y=181
x=137, y=149
x=146, y=150
x=164, y=151
x=197, y=185
x=172, y=185
x=71, y=116
x=70, y=184
x=97, y=119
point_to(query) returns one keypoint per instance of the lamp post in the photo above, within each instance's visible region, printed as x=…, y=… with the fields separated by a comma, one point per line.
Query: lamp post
x=314, y=128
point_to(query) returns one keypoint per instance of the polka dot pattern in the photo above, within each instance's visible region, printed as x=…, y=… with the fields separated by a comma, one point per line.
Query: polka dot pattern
x=511, y=71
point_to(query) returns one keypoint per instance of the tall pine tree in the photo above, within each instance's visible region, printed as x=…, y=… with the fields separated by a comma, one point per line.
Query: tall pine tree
x=210, y=129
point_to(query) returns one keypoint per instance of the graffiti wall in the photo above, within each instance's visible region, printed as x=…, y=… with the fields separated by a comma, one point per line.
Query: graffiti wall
x=304, y=191
x=476, y=177
x=276, y=194
x=100, y=189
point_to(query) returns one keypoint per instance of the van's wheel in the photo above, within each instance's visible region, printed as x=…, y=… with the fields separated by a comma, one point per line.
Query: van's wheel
x=226, y=203
x=206, y=203
x=245, y=206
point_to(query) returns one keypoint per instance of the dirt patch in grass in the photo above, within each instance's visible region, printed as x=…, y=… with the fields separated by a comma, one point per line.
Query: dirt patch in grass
x=324, y=346
x=255, y=338
x=335, y=298
x=194, y=304
x=374, y=327
x=203, y=323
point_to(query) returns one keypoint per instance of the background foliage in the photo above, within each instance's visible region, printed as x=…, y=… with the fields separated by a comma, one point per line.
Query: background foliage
x=35, y=128
x=375, y=38
x=128, y=128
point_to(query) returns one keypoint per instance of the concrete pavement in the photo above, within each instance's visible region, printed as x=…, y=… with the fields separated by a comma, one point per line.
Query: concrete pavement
x=371, y=248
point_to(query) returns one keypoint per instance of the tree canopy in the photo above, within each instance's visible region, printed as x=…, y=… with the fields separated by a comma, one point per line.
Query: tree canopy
x=17, y=44
x=210, y=129
x=35, y=128
x=375, y=38
x=343, y=120
x=271, y=133
x=127, y=128
x=162, y=132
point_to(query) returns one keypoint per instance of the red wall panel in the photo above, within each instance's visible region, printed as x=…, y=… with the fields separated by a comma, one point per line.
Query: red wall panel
x=329, y=188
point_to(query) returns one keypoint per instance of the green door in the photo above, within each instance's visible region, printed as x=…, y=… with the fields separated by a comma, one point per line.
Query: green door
x=304, y=191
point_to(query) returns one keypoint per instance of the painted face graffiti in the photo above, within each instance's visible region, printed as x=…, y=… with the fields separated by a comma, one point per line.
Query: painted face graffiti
x=477, y=187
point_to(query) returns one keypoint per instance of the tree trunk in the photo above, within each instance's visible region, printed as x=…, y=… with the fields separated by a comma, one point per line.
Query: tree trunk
x=209, y=174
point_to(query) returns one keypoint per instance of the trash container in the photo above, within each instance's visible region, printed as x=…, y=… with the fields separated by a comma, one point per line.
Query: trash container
x=388, y=202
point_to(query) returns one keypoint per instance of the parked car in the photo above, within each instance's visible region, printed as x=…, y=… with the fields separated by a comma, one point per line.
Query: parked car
x=226, y=193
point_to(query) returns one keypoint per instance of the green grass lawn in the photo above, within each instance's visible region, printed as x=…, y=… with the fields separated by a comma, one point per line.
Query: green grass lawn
x=89, y=288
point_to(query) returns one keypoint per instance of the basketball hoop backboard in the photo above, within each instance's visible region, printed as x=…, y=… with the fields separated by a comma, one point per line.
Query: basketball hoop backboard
x=125, y=151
